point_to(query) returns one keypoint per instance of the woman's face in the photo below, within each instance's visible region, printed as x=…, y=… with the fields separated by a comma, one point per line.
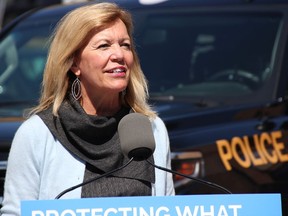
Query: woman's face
x=104, y=64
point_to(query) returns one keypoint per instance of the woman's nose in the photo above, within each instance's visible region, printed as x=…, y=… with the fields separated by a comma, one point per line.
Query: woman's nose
x=117, y=53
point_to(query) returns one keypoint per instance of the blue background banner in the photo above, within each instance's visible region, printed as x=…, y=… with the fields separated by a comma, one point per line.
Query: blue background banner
x=186, y=205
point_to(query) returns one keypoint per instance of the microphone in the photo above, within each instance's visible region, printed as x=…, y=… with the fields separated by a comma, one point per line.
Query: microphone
x=137, y=141
x=136, y=136
x=93, y=179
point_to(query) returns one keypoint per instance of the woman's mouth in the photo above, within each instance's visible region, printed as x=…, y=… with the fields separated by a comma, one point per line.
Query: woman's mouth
x=117, y=70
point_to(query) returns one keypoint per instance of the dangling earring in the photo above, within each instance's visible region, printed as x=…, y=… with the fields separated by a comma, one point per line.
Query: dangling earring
x=76, y=89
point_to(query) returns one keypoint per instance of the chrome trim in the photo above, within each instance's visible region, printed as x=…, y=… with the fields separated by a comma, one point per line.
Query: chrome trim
x=195, y=156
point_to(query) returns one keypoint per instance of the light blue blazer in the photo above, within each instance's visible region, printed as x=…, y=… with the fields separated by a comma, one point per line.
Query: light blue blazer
x=39, y=167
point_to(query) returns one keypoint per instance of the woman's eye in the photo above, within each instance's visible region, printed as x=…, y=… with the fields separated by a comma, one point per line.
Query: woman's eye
x=102, y=46
x=126, y=45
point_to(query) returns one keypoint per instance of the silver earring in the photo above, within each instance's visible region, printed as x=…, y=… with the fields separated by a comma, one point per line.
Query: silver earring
x=76, y=89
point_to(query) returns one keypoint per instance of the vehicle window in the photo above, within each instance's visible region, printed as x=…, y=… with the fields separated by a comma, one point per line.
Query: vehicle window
x=207, y=55
x=23, y=55
x=184, y=56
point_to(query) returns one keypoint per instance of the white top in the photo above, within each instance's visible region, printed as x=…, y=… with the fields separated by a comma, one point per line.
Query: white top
x=39, y=167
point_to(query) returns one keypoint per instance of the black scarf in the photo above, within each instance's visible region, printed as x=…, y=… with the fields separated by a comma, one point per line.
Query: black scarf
x=95, y=140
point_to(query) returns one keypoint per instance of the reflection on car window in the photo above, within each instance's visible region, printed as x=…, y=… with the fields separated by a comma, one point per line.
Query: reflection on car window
x=207, y=55
x=183, y=55
x=23, y=55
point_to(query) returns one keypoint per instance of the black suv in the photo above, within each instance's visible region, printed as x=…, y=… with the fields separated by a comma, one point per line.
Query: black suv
x=218, y=77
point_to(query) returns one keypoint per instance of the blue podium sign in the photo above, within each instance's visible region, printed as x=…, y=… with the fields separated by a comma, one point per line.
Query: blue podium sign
x=184, y=205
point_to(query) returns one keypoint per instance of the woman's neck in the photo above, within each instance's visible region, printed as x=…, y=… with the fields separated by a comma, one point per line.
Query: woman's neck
x=102, y=107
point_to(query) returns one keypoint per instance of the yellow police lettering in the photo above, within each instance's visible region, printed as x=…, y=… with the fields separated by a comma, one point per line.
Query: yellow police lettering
x=279, y=146
x=225, y=153
x=256, y=161
x=259, y=150
x=244, y=161
x=265, y=141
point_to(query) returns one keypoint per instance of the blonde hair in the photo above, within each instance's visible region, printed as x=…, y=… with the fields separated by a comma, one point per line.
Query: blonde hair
x=70, y=36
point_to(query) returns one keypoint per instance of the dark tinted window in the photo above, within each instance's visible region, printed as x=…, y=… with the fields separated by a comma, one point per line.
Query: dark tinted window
x=207, y=55
x=23, y=55
x=183, y=55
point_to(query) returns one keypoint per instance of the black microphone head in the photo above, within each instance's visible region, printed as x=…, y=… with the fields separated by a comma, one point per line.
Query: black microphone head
x=136, y=136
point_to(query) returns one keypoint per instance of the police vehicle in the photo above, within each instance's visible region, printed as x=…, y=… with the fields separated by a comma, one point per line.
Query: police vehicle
x=217, y=72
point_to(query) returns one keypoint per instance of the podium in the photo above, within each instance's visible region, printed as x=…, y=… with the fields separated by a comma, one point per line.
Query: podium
x=179, y=205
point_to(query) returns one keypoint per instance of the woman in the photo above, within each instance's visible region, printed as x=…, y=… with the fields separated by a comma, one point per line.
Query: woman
x=91, y=81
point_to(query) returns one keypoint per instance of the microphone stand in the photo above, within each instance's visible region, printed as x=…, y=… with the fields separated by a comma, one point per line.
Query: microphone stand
x=93, y=179
x=192, y=178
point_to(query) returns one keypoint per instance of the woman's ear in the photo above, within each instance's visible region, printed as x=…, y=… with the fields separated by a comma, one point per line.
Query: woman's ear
x=74, y=68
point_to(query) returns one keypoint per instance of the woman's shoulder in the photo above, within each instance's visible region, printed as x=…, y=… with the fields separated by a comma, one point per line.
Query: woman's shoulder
x=160, y=131
x=158, y=124
x=33, y=121
x=31, y=137
x=33, y=125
